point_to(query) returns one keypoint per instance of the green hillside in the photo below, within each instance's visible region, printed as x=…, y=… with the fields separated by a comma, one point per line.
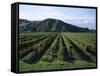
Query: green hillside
x=49, y=25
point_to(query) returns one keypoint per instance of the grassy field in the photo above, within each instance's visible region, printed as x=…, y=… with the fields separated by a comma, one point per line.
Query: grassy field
x=56, y=50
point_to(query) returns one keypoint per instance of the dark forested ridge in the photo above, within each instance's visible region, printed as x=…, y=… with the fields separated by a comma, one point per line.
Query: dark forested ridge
x=49, y=25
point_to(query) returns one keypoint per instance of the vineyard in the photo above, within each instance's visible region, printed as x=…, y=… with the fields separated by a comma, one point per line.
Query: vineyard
x=56, y=50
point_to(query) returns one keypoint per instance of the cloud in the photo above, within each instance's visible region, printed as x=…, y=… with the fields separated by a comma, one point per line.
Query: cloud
x=47, y=8
x=40, y=13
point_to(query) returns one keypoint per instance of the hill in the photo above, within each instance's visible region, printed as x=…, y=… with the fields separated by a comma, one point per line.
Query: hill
x=49, y=25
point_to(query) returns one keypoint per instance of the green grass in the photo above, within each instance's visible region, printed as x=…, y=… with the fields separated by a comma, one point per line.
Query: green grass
x=54, y=65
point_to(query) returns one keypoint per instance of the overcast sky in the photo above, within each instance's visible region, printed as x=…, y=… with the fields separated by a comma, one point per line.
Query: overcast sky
x=77, y=16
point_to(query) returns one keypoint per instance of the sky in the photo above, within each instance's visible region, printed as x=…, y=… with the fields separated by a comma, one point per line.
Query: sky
x=82, y=17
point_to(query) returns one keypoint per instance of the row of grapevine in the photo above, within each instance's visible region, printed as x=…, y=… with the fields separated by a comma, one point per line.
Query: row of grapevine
x=38, y=50
x=83, y=54
x=29, y=47
x=85, y=40
x=51, y=53
x=25, y=44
